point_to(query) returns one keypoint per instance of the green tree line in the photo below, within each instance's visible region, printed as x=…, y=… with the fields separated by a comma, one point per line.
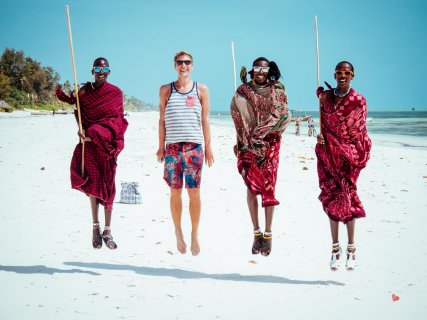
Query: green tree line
x=25, y=83
x=134, y=104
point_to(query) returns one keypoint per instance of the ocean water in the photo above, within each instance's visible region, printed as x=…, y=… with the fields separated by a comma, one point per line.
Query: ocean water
x=396, y=123
x=407, y=129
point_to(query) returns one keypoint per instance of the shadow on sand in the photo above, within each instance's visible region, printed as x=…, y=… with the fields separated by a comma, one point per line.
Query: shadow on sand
x=42, y=270
x=185, y=274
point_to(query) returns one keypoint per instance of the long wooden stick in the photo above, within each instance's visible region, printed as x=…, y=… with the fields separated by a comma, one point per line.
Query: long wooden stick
x=234, y=65
x=318, y=70
x=317, y=51
x=76, y=87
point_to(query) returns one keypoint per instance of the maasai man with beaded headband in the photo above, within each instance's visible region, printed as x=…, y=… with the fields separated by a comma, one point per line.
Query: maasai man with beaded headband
x=260, y=113
x=342, y=150
x=104, y=126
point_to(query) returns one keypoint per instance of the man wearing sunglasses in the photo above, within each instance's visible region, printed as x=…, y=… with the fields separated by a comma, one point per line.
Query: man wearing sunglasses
x=102, y=139
x=183, y=130
x=260, y=114
x=342, y=150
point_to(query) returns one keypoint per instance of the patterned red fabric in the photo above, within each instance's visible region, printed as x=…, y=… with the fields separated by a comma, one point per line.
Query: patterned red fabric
x=262, y=179
x=345, y=153
x=103, y=120
x=260, y=115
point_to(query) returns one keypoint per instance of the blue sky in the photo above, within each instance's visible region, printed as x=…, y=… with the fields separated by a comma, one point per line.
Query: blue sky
x=385, y=40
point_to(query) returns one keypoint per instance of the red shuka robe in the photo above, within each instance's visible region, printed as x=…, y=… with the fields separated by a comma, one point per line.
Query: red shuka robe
x=103, y=120
x=345, y=153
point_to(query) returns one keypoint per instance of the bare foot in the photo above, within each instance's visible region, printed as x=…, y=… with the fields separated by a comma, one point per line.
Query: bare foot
x=195, y=247
x=180, y=243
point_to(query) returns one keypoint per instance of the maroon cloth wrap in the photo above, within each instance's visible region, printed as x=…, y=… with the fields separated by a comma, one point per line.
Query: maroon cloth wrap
x=103, y=120
x=262, y=179
x=345, y=153
x=260, y=116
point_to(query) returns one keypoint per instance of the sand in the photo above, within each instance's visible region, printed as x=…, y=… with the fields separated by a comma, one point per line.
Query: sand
x=49, y=270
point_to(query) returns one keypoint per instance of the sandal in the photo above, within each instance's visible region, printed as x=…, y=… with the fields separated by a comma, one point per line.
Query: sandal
x=256, y=246
x=96, y=236
x=335, y=259
x=108, y=239
x=351, y=258
x=267, y=239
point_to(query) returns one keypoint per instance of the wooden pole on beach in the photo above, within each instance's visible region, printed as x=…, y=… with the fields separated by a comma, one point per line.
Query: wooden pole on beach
x=234, y=65
x=318, y=70
x=76, y=87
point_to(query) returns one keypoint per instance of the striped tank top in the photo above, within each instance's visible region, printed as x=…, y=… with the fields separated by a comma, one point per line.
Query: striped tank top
x=183, y=116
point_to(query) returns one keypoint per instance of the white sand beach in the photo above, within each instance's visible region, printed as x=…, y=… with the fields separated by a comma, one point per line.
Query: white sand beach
x=49, y=270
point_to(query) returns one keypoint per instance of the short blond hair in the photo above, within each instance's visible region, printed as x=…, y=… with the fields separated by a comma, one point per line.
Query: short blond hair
x=182, y=53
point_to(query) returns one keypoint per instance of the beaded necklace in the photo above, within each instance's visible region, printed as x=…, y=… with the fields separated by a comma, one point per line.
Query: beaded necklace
x=260, y=85
x=340, y=95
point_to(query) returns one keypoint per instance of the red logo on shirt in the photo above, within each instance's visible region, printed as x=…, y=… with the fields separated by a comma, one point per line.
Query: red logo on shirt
x=191, y=101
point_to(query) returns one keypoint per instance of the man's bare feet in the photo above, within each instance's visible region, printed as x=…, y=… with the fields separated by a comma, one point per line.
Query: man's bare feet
x=180, y=243
x=195, y=246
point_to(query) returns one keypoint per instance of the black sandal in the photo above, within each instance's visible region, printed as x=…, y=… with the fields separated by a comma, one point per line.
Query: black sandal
x=96, y=237
x=257, y=244
x=108, y=239
x=267, y=240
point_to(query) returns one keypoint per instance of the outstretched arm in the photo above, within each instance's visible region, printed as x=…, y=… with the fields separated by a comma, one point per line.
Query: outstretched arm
x=63, y=97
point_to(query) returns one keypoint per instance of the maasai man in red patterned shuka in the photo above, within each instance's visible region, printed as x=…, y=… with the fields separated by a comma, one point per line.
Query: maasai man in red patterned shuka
x=260, y=113
x=343, y=149
x=104, y=126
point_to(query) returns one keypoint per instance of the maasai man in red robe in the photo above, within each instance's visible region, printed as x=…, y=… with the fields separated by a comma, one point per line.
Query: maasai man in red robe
x=260, y=113
x=342, y=151
x=104, y=126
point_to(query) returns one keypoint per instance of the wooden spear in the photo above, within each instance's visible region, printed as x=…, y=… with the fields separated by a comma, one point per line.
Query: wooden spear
x=235, y=88
x=234, y=65
x=79, y=117
x=318, y=71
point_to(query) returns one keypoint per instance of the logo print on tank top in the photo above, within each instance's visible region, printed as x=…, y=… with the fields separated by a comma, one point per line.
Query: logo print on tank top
x=190, y=101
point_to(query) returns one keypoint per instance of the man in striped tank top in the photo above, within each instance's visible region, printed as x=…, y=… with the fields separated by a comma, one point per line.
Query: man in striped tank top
x=183, y=129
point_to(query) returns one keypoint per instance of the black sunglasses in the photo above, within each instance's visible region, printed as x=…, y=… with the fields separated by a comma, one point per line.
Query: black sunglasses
x=180, y=62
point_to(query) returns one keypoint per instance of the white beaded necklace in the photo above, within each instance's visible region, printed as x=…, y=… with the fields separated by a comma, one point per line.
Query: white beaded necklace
x=340, y=95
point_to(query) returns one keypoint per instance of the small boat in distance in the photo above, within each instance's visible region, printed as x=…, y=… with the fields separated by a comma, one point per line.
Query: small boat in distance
x=62, y=111
x=41, y=113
